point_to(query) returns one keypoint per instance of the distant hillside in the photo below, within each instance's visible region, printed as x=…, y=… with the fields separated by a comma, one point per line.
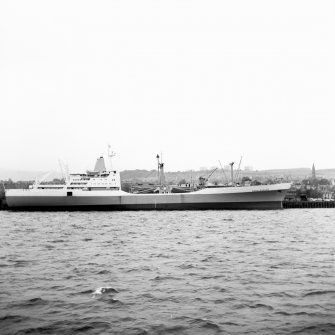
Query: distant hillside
x=219, y=176
x=17, y=175
x=299, y=173
x=150, y=176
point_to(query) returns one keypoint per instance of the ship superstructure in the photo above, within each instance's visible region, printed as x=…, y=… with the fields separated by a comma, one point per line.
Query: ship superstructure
x=95, y=180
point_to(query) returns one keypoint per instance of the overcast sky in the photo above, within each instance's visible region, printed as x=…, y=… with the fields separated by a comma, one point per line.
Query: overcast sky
x=200, y=81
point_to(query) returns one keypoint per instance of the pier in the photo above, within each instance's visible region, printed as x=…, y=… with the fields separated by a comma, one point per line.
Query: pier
x=3, y=204
x=308, y=204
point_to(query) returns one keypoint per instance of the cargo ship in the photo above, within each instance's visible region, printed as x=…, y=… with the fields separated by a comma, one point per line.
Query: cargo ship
x=100, y=189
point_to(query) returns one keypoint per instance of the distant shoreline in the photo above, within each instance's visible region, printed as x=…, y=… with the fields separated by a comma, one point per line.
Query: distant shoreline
x=151, y=175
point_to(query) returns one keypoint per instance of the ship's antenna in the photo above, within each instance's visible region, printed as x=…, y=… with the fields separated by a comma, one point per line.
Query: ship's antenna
x=238, y=171
x=111, y=154
x=224, y=174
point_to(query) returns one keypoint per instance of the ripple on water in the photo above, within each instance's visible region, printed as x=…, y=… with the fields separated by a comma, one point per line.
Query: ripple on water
x=172, y=272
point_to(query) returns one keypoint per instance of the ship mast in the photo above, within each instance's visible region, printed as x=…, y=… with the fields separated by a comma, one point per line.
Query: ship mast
x=232, y=172
x=160, y=170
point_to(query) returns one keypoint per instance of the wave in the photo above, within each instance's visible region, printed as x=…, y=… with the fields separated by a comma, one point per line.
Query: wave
x=161, y=278
x=319, y=293
x=104, y=290
x=185, y=266
x=295, y=313
x=34, y=302
x=255, y=306
x=164, y=329
x=276, y=294
x=12, y=318
x=95, y=327
x=207, y=324
x=21, y=263
x=321, y=328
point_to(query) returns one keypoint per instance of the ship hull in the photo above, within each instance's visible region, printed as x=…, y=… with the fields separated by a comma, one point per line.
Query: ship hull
x=198, y=206
x=221, y=198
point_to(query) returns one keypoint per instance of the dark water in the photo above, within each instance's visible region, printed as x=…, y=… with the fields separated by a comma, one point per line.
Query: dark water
x=191, y=272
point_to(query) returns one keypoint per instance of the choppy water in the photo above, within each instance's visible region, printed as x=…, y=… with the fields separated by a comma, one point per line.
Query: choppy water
x=188, y=272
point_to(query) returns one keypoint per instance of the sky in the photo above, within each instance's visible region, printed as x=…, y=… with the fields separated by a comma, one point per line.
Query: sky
x=198, y=81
